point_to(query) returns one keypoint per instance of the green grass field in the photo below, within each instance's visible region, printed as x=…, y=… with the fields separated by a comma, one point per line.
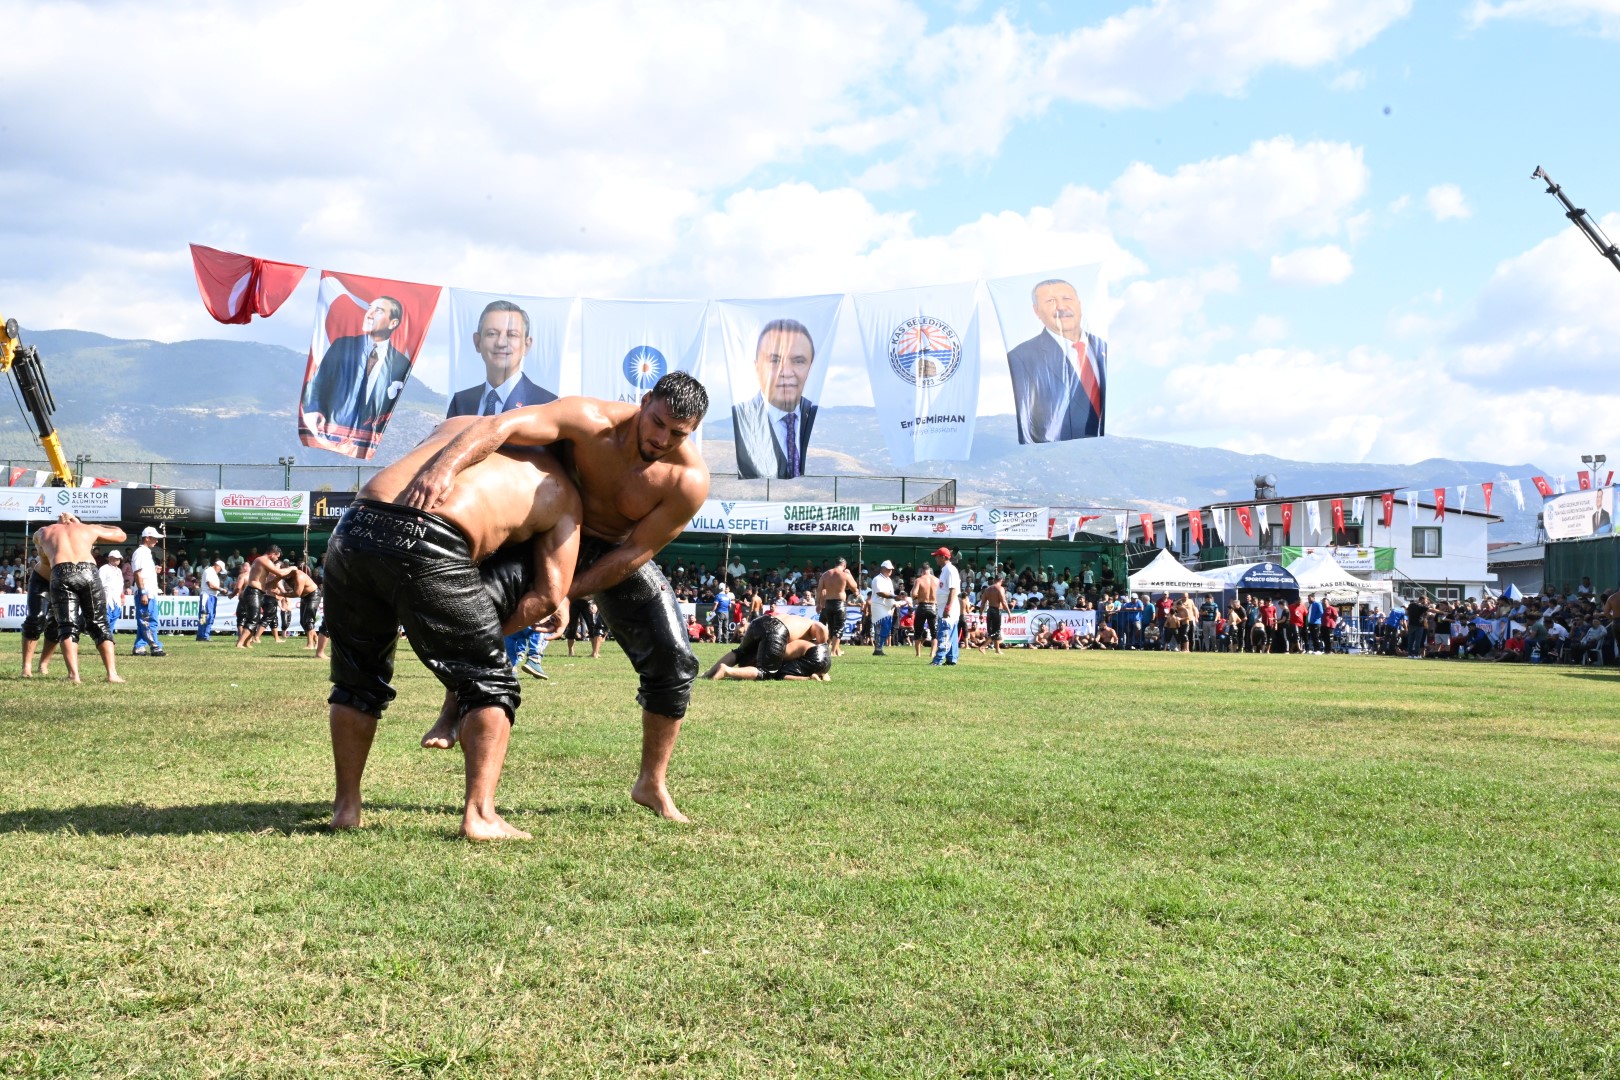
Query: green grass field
x=1033, y=865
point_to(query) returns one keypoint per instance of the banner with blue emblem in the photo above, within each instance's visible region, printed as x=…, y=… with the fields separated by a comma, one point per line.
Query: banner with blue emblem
x=628, y=345
x=505, y=351
x=922, y=357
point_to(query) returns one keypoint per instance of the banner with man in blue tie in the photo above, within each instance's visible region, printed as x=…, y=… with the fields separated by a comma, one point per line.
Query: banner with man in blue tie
x=771, y=350
x=505, y=351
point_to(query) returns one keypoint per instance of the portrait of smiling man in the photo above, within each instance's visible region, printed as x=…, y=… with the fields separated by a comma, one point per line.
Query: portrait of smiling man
x=1059, y=376
x=772, y=428
x=502, y=340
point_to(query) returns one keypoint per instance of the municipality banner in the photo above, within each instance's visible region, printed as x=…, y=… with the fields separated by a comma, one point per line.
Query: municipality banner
x=507, y=346
x=1356, y=560
x=261, y=507
x=1579, y=514
x=922, y=357
x=626, y=346
x=42, y=504
x=774, y=354
x=1057, y=356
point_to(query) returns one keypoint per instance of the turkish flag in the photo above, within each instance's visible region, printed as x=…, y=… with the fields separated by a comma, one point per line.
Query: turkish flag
x=1147, y=529
x=1195, y=527
x=1246, y=519
x=1542, y=486
x=237, y=287
x=1439, y=504
x=1487, y=488
x=1388, y=498
x=1338, y=516
x=1287, y=518
x=1585, y=479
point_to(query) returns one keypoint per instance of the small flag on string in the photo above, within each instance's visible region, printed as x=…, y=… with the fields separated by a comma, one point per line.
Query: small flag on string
x=1120, y=529
x=1584, y=479
x=1313, y=519
x=1487, y=488
x=1439, y=504
x=1388, y=499
x=1558, y=484
x=1287, y=519
x=1261, y=517
x=1542, y=485
x=1245, y=519
x=1147, y=529
x=1338, y=517
x=1195, y=527
x=1169, y=528
x=1518, y=492
x=1462, y=497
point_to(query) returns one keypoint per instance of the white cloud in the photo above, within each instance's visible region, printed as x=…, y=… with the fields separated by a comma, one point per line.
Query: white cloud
x=1268, y=329
x=1349, y=80
x=1446, y=203
x=1602, y=15
x=1325, y=265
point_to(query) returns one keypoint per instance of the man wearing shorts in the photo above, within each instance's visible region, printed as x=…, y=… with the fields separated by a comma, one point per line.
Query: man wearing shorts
x=303, y=588
x=39, y=621
x=257, y=607
x=389, y=565
x=994, y=602
x=924, y=597
x=831, y=590
x=77, y=601
x=640, y=480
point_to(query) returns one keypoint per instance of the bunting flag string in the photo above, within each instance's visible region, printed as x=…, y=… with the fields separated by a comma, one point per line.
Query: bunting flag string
x=1262, y=520
x=1313, y=519
x=1388, y=499
x=1147, y=529
x=1245, y=519
x=1487, y=489
x=1195, y=527
x=1288, y=518
x=1518, y=492
x=1170, y=529
x=1439, y=504
x=1462, y=497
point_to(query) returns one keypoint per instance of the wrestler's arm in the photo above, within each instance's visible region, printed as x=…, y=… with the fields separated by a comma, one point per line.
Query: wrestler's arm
x=651, y=534
x=532, y=425
x=556, y=551
x=108, y=534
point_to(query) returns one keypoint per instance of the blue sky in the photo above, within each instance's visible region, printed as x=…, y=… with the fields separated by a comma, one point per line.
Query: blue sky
x=1285, y=265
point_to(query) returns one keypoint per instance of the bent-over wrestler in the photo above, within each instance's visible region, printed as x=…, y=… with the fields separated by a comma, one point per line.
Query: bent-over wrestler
x=832, y=589
x=389, y=565
x=770, y=642
x=77, y=601
x=40, y=621
x=254, y=609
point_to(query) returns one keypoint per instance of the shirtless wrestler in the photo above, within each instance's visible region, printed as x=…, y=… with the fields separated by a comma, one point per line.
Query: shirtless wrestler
x=257, y=605
x=389, y=565
x=775, y=647
x=831, y=590
x=925, y=598
x=641, y=481
x=994, y=601
x=39, y=621
x=77, y=602
x=301, y=587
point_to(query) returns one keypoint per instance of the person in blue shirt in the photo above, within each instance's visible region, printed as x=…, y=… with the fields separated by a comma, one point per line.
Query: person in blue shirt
x=1133, y=622
x=1313, y=627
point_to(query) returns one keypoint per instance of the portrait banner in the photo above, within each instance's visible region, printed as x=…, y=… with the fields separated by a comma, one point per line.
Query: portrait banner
x=774, y=352
x=1057, y=357
x=1579, y=514
x=505, y=351
x=368, y=332
x=922, y=357
x=628, y=345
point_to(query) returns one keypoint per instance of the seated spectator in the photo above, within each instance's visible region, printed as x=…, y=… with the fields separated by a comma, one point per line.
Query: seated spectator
x=1107, y=637
x=1062, y=637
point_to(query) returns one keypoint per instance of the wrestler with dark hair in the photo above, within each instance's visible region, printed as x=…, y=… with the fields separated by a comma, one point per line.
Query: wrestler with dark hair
x=640, y=481
x=770, y=642
x=77, y=602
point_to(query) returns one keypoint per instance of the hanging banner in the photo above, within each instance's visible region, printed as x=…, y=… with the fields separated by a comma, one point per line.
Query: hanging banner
x=1358, y=510
x=1121, y=533
x=262, y=507
x=1462, y=497
x=628, y=345
x=1360, y=560
x=327, y=506
x=1558, y=484
x=1195, y=527
x=1263, y=520
x=1287, y=514
x=161, y=506
x=1056, y=356
x=1542, y=486
x=1170, y=529
x=1439, y=504
x=41, y=505
x=1245, y=519
x=368, y=332
x=1337, y=506
x=873, y=519
x=922, y=357
x=1147, y=529
x=1579, y=514
x=1518, y=492
x=1583, y=480
x=1487, y=489
x=770, y=349
x=236, y=287
x=505, y=351
x=1313, y=519
x=1388, y=499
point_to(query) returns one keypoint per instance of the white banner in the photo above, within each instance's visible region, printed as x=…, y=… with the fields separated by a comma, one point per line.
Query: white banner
x=1313, y=519
x=176, y=615
x=1019, y=627
x=42, y=504
x=922, y=356
x=511, y=344
x=1057, y=357
x=628, y=345
x=771, y=352
x=1579, y=514
x=873, y=519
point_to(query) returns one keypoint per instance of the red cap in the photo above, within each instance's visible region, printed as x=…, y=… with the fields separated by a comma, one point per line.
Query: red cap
x=945, y=551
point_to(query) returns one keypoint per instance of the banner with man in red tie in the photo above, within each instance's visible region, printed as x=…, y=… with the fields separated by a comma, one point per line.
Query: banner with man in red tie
x=368, y=332
x=1059, y=364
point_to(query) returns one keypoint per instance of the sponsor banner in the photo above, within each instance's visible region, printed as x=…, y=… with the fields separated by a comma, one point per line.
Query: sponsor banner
x=176, y=615
x=160, y=506
x=1579, y=514
x=1356, y=560
x=628, y=345
x=1020, y=522
x=43, y=504
x=368, y=332
x=1057, y=356
x=327, y=506
x=513, y=344
x=1020, y=627
x=261, y=507
x=771, y=351
x=873, y=519
x=724, y=515
x=922, y=357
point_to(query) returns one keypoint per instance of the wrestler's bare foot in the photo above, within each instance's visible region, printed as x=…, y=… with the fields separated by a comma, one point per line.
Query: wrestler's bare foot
x=44, y=669
x=115, y=678
x=27, y=674
x=442, y=735
x=477, y=827
x=74, y=679
x=345, y=815
x=657, y=800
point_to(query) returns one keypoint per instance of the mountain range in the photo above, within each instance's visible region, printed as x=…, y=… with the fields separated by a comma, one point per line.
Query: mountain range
x=138, y=402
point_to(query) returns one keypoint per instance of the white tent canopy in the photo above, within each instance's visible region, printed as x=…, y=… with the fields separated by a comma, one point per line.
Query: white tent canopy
x=1165, y=574
x=1319, y=573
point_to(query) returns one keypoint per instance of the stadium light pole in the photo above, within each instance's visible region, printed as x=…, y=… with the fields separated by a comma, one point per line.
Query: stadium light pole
x=286, y=464
x=1595, y=463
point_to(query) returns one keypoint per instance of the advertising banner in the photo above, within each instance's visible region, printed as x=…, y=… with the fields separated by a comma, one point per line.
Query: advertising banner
x=770, y=350
x=327, y=506
x=1356, y=560
x=176, y=615
x=1056, y=354
x=261, y=507
x=1579, y=514
x=507, y=346
x=1020, y=627
x=922, y=357
x=628, y=345
x=160, y=506
x=873, y=519
x=43, y=504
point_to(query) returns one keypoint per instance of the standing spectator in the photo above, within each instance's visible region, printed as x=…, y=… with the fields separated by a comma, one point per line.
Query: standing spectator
x=1313, y=627
x=112, y=587
x=950, y=609
x=884, y=601
x=146, y=595
x=1417, y=630
x=208, y=606
x=1208, y=614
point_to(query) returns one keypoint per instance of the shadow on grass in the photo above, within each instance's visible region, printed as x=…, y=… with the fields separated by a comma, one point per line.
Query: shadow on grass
x=285, y=818
x=1608, y=674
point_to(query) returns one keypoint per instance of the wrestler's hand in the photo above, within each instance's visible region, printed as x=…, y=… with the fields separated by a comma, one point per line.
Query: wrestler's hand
x=428, y=488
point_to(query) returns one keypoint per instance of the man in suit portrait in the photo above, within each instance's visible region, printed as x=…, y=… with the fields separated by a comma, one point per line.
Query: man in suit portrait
x=1059, y=376
x=772, y=428
x=503, y=340
x=360, y=377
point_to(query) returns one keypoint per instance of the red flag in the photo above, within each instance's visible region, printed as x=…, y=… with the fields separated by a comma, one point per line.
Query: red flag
x=1147, y=529
x=1287, y=518
x=1487, y=488
x=1439, y=504
x=1609, y=479
x=16, y=475
x=1542, y=486
x=1195, y=526
x=1246, y=519
x=1585, y=479
x=1388, y=498
x=1338, y=516
x=237, y=287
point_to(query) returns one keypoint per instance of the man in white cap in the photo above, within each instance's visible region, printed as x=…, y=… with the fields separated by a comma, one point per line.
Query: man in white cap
x=884, y=601
x=950, y=609
x=112, y=587
x=212, y=586
x=146, y=594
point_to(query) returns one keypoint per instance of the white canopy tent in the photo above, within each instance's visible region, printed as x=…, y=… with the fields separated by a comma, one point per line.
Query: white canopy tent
x=1319, y=573
x=1165, y=574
